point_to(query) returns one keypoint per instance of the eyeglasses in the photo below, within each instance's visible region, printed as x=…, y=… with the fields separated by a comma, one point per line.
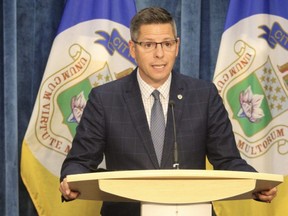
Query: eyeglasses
x=148, y=46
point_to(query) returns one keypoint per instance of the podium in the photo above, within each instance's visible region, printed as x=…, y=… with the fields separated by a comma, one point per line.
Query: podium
x=175, y=189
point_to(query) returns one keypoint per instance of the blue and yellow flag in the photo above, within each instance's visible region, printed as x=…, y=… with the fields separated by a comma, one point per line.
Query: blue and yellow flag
x=252, y=77
x=90, y=49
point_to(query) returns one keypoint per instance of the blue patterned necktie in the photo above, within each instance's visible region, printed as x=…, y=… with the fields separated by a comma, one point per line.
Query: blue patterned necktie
x=157, y=125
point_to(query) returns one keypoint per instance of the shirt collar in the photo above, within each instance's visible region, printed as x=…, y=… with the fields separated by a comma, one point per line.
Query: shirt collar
x=146, y=89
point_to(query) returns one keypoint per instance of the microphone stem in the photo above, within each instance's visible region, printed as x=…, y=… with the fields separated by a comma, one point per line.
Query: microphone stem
x=176, y=163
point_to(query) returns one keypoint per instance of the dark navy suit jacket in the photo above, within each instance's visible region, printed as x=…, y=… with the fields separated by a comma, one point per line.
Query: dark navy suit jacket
x=114, y=123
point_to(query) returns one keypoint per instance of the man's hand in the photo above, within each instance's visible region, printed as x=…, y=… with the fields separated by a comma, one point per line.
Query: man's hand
x=67, y=193
x=265, y=196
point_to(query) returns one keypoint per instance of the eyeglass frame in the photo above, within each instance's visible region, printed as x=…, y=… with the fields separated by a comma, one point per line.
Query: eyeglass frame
x=156, y=43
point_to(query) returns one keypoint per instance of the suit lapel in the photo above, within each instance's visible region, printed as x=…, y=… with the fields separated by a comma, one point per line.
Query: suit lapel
x=133, y=99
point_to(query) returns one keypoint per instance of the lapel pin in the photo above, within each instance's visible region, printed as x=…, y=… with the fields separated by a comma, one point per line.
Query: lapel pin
x=179, y=96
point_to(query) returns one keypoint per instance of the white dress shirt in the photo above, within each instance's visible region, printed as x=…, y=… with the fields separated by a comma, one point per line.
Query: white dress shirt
x=147, y=98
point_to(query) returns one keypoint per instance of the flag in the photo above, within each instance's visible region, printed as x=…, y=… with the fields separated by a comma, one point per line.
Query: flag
x=252, y=78
x=90, y=49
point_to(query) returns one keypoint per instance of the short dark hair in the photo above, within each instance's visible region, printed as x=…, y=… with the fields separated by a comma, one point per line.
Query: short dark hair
x=151, y=15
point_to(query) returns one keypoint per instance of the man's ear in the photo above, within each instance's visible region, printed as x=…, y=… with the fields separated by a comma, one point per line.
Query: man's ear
x=178, y=45
x=132, y=48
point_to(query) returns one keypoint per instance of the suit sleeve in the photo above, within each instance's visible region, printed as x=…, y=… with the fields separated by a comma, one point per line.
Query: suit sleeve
x=222, y=151
x=88, y=144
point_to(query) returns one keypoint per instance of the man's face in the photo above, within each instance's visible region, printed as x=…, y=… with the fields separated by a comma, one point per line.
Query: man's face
x=155, y=64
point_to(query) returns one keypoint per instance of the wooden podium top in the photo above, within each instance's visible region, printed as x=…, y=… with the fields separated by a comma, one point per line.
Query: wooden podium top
x=171, y=186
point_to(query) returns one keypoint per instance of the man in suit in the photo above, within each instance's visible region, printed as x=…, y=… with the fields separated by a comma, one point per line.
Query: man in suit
x=117, y=118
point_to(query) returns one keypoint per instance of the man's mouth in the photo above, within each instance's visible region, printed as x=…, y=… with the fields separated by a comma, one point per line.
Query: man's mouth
x=158, y=66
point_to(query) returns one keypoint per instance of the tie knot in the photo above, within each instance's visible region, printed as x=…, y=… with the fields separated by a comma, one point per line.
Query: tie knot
x=156, y=94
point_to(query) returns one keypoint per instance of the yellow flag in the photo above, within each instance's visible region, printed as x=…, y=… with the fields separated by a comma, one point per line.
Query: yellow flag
x=90, y=49
x=252, y=78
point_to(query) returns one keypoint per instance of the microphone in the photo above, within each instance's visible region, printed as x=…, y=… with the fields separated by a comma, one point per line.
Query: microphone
x=176, y=162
